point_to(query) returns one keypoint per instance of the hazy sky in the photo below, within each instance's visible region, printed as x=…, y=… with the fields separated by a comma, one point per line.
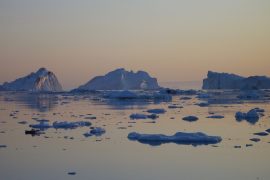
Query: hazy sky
x=174, y=40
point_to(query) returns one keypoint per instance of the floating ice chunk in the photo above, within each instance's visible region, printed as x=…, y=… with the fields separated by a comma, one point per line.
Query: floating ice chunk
x=197, y=138
x=202, y=104
x=97, y=131
x=3, y=146
x=138, y=116
x=43, y=124
x=72, y=173
x=255, y=139
x=156, y=111
x=216, y=117
x=261, y=134
x=70, y=125
x=174, y=106
x=33, y=132
x=185, y=98
x=143, y=116
x=251, y=116
x=190, y=118
x=260, y=110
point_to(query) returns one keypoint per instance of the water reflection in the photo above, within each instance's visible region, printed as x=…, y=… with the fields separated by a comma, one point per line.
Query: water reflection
x=41, y=102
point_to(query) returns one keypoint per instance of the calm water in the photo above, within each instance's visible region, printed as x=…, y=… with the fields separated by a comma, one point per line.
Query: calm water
x=112, y=156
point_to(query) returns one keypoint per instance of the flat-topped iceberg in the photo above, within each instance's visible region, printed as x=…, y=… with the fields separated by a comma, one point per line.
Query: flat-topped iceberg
x=121, y=79
x=42, y=80
x=217, y=80
x=197, y=138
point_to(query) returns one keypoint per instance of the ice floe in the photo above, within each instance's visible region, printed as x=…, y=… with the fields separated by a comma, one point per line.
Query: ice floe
x=216, y=116
x=97, y=131
x=197, y=138
x=156, y=111
x=143, y=116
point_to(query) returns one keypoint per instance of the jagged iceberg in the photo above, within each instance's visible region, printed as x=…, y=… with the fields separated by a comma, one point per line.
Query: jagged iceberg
x=42, y=80
x=120, y=79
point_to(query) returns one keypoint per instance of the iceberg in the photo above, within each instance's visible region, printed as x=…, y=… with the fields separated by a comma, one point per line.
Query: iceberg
x=217, y=80
x=197, y=138
x=40, y=81
x=121, y=79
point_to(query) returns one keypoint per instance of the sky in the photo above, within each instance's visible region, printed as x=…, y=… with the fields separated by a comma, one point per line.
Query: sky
x=173, y=40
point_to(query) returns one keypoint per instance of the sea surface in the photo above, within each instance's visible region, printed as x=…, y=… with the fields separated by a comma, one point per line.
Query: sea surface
x=112, y=156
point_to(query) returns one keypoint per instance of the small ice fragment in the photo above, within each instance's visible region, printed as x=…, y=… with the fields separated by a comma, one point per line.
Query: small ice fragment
x=190, y=118
x=156, y=111
x=215, y=117
x=255, y=139
x=261, y=134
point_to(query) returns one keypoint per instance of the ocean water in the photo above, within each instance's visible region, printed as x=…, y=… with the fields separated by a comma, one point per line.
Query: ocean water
x=113, y=156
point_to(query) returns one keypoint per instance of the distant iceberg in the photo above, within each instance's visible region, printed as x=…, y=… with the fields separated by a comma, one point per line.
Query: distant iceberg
x=197, y=138
x=217, y=80
x=42, y=80
x=120, y=79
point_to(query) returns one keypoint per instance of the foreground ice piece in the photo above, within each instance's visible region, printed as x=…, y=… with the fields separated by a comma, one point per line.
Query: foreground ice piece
x=120, y=79
x=197, y=138
x=251, y=116
x=42, y=80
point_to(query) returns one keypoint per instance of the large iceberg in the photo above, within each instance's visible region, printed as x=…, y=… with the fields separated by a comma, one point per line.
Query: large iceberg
x=120, y=79
x=217, y=80
x=42, y=80
x=197, y=138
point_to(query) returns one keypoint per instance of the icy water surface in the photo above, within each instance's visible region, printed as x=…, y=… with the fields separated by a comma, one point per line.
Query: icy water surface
x=113, y=156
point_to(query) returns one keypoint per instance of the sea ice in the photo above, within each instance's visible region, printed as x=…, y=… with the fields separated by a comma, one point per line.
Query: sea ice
x=197, y=138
